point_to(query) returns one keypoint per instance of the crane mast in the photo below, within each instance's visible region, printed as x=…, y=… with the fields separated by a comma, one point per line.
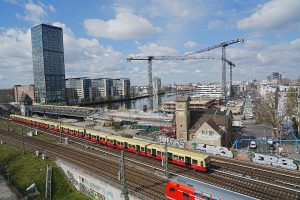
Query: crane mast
x=150, y=58
x=223, y=45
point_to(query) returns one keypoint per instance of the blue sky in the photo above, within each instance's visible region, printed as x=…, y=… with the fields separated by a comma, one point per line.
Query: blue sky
x=99, y=36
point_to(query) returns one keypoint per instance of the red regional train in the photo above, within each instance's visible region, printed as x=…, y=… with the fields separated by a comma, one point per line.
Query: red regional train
x=182, y=188
x=197, y=161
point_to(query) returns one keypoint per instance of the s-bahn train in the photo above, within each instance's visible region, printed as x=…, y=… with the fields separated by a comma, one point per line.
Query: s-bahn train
x=197, y=161
x=182, y=188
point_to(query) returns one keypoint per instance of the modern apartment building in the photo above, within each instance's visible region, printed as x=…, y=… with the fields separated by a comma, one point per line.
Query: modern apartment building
x=48, y=63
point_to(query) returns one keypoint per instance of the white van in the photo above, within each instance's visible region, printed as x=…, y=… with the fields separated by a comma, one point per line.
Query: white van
x=253, y=145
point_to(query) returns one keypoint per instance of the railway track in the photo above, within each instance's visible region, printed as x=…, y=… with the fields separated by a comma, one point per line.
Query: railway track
x=280, y=176
x=234, y=182
x=144, y=184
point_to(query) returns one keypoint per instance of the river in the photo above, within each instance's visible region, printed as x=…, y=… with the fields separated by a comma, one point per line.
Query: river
x=139, y=103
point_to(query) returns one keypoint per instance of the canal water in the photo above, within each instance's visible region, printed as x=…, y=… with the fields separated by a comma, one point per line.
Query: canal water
x=139, y=103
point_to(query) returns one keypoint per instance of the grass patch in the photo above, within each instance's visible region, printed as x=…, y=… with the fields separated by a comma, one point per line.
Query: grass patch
x=25, y=169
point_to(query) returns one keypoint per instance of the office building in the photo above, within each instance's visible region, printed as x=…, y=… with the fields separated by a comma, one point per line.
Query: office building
x=121, y=87
x=48, y=63
x=156, y=84
x=78, y=89
x=101, y=87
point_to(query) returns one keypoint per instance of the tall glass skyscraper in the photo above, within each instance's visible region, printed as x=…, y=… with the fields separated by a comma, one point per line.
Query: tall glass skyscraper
x=48, y=63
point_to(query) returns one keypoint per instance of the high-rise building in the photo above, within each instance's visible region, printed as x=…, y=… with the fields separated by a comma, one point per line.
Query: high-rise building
x=156, y=84
x=48, y=63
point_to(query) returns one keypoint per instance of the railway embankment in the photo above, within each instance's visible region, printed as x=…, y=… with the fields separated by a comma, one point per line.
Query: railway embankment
x=22, y=170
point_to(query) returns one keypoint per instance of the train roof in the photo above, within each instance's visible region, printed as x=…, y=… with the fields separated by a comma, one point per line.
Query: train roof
x=178, y=151
x=130, y=140
x=95, y=132
x=201, y=187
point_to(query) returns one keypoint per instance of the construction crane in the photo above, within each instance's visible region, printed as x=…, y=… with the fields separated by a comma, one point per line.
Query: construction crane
x=231, y=64
x=150, y=58
x=223, y=45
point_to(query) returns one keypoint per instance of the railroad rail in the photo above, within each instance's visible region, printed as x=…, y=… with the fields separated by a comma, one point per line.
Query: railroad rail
x=231, y=181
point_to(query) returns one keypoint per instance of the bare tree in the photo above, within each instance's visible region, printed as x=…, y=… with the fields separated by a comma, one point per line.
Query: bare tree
x=267, y=112
x=292, y=101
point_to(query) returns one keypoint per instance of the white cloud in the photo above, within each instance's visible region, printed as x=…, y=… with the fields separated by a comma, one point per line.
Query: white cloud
x=275, y=14
x=262, y=58
x=190, y=44
x=33, y=12
x=156, y=50
x=125, y=26
x=83, y=56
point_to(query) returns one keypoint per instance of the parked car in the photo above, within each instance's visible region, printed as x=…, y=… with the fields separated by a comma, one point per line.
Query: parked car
x=253, y=145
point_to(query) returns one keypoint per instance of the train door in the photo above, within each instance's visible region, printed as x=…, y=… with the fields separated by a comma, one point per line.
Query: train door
x=154, y=152
x=115, y=142
x=138, y=148
x=170, y=156
x=125, y=145
x=188, y=161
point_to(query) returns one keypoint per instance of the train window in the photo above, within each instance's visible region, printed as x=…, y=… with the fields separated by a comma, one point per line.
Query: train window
x=181, y=158
x=197, y=194
x=129, y=145
x=122, y=144
x=142, y=149
x=158, y=153
x=172, y=190
x=133, y=146
x=206, y=196
x=118, y=143
x=195, y=162
x=201, y=163
x=148, y=150
x=175, y=157
x=185, y=195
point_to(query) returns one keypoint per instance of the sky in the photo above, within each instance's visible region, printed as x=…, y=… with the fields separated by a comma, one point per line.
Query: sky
x=100, y=34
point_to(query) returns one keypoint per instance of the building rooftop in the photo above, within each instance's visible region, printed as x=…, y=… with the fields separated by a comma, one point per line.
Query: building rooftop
x=182, y=99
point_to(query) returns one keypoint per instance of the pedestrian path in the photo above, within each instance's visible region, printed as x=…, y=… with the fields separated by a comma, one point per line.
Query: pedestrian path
x=5, y=191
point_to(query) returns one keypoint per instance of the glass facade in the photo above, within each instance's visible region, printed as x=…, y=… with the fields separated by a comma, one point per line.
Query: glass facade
x=48, y=64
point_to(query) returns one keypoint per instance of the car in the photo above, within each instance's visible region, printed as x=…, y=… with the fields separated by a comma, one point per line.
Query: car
x=253, y=145
x=272, y=147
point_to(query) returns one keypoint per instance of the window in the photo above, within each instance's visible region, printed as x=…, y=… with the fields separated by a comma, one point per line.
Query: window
x=148, y=150
x=195, y=162
x=158, y=153
x=172, y=190
x=122, y=144
x=198, y=194
x=118, y=143
x=133, y=146
x=175, y=157
x=142, y=149
x=181, y=158
x=185, y=195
